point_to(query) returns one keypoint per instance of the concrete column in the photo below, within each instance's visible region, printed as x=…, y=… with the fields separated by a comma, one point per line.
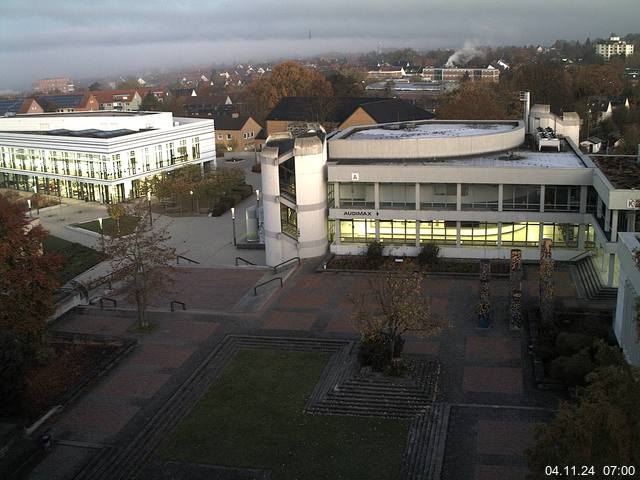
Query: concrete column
x=614, y=225
x=458, y=226
x=336, y=195
x=582, y=234
x=583, y=199
x=598, y=208
x=376, y=197
x=631, y=221
x=336, y=240
x=610, y=273
x=377, y=228
x=458, y=203
x=417, y=196
x=500, y=197
x=542, y=190
x=607, y=220
x=540, y=233
x=418, y=233
x=127, y=188
x=500, y=224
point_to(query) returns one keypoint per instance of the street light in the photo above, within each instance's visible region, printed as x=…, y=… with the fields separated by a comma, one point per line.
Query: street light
x=258, y=198
x=29, y=204
x=150, y=216
x=101, y=233
x=192, y=207
x=35, y=198
x=233, y=220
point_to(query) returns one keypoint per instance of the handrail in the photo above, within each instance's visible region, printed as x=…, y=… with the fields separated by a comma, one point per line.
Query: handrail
x=587, y=253
x=185, y=258
x=255, y=289
x=113, y=300
x=182, y=304
x=244, y=260
x=275, y=269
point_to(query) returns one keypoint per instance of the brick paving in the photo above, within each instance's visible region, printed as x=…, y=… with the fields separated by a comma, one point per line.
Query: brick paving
x=480, y=368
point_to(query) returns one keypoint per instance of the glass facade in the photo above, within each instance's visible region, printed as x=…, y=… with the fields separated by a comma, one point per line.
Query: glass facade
x=562, y=198
x=438, y=232
x=398, y=195
x=357, y=195
x=438, y=196
x=521, y=197
x=402, y=232
x=288, y=221
x=479, y=233
x=523, y=234
x=479, y=197
x=287, y=177
x=357, y=231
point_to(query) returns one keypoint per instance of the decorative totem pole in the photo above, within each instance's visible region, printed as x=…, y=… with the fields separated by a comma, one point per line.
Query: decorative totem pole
x=515, y=281
x=546, y=282
x=483, y=310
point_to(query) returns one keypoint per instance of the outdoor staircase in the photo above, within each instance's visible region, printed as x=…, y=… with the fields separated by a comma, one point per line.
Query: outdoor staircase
x=591, y=282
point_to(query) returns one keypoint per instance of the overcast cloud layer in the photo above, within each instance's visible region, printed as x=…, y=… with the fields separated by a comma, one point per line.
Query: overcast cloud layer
x=80, y=38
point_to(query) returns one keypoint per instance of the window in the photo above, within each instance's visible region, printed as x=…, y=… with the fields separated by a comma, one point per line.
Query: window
x=229, y=137
x=219, y=136
x=564, y=235
x=357, y=195
x=357, y=231
x=478, y=234
x=288, y=221
x=287, y=175
x=480, y=197
x=330, y=195
x=521, y=197
x=402, y=232
x=438, y=196
x=195, y=148
x=525, y=234
x=592, y=200
x=438, y=232
x=398, y=196
x=562, y=198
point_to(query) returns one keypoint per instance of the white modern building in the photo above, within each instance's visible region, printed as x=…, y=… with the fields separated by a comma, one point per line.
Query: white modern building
x=626, y=325
x=614, y=47
x=475, y=188
x=98, y=156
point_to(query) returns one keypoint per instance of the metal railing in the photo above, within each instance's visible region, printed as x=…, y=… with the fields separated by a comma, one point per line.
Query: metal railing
x=176, y=302
x=243, y=260
x=580, y=256
x=255, y=289
x=113, y=301
x=275, y=269
x=185, y=258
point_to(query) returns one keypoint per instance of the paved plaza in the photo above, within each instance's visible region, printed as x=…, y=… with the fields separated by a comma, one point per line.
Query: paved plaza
x=485, y=374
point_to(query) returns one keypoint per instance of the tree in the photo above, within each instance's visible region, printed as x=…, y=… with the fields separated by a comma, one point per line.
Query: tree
x=602, y=428
x=27, y=279
x=142, y=258
x=150, y=103
x=400, y=306
x=474, y=101
x=346, y=85
x=116, y=211
x=286, y=80
x=95, y=86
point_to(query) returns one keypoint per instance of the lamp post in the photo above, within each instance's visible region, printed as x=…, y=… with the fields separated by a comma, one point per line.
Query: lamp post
x=35, y=198
x=233, y=220
x=257, y=199
x=149, y=201
x=101, y=233
x=29, y=204
x=191, y=193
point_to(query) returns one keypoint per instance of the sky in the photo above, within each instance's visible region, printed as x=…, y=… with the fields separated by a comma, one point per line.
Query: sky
x=85, y=38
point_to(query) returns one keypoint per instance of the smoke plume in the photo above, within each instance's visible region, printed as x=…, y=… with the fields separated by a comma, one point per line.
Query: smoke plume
x=461, y=56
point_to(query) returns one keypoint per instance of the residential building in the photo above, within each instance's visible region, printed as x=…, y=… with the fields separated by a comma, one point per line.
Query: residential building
x=98, y=156
x=602, y=107
x=208, y=105
x=13, y=106
x=297, y=114
x=68, y=103
x=236, y=132
x=53, y=85
x=121, y=100
x=626, y=326
x=591, y=145
x=613, y=47
x=632, y=74
x=386, y=72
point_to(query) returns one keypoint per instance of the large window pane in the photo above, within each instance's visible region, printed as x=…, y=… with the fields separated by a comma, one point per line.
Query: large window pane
x=438, y=196
x=357, y=231
x=400, y=232
x=357, y=195
x=564, y=235
x=524, y=234
x=398, y=195
x=479, y=197
x=521, y=197
x=562, y=198
x=478, y=234
x=438, y=232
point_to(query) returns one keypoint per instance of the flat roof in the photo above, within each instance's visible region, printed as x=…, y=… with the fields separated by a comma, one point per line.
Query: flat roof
x=88, y=133
x=512, y=159
x=92, y=113
x=411, y=130
x=622, y=171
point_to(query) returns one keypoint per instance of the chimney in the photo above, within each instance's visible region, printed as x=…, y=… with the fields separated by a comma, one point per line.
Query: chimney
x=235, y=115
x=525, y=97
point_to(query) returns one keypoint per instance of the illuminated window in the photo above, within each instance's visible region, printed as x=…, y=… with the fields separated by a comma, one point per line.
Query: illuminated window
x=478, y=233
x=525, y=234
x=357, y=231
x=438, y=232
x=401, y=232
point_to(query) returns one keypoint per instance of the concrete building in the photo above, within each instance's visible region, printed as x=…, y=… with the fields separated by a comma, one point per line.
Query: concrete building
x=475, y=188
x=457, y=75
x=98, y=156
x=625, y=325
x=614, y=47
x=53, y=85
x=120, y=100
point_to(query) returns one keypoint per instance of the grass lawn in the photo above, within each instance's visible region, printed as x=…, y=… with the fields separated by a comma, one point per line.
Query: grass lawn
x=252, y=417
x=110, y=226
x=76, y=258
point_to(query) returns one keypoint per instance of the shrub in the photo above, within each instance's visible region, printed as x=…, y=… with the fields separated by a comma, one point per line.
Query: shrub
x=570, y=343
x=572, y=370
x=428, y=254
x=375, y=352
x=374, y=255
x=11, y=372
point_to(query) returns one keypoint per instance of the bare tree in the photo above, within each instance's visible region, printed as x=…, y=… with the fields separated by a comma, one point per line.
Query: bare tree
x=399, y=306
x=142, y=258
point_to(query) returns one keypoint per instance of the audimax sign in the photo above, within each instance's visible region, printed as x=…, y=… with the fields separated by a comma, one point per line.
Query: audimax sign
x=360, y=213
